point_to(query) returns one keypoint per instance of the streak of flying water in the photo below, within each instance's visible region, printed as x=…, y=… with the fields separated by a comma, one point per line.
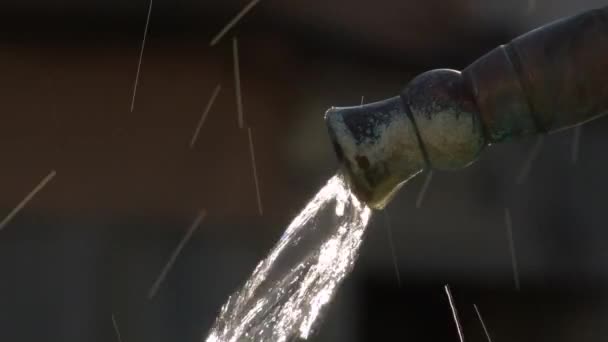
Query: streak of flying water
x=288, y=291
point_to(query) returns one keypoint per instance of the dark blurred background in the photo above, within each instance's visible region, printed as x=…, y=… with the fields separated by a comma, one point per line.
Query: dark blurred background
x=93, y=241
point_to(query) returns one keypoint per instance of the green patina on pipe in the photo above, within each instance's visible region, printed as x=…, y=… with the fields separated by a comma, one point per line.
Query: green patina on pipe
x=549, y=79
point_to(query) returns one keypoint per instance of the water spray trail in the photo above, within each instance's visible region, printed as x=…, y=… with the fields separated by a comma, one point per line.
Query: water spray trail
x=483, y=325
x=508, y=223
x=141, y=56
x=425, y=186
x=115, y=324
x=531, y=157
x=175, y=254
x=27, y=198
x=576, y=142
x=454, y=312
x=237, y=82
x=391, y=245
x=531, y=7
x=216, y=91
x=287, y=293
x=233, y=22
x=255, y=172
x=362, y=99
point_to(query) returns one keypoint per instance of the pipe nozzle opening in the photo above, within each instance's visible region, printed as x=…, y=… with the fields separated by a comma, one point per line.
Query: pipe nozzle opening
x=377, y=147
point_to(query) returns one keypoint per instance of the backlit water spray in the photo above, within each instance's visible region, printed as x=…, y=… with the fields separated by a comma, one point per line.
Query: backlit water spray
x=288, y=291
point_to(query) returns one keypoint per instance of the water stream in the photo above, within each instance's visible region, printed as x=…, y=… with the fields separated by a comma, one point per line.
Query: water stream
x=286, y=294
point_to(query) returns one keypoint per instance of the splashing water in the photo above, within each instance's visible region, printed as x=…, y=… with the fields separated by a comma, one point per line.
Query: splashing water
x=287, y=292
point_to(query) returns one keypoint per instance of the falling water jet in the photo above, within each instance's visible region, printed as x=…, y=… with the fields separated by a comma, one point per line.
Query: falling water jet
x=454, y=312
x=391, y=245
x=7, y=219
x=116, y=330
x=233, y=22
x=285, y=296
x=237, y=82
x=254, y=169
x=509, y=225
x=576, y=141
x=141, y=56
x=442, y=120
x=483, y=324
x=161, y=277
x=216, y=91
x=533, y=154
x=425, y=187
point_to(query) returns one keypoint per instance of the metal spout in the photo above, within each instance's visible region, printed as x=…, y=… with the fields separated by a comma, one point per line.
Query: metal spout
x=548, y=79
x=377, y=147
x=382, y=145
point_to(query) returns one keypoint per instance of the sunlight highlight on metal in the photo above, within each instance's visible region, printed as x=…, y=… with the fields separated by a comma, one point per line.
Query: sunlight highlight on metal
x=288, y=291
x=523, y=173
x=233, y=22
x=255, y=172
x=237, y=82
x=391, y=245
x=176, y=252
x=454, y=312
x=216, y=91
x=576, y=141
x=115, y=324
x=425, y=186
x=483, y=325
x=509, y=225
x=27, y=198
x=141, y=56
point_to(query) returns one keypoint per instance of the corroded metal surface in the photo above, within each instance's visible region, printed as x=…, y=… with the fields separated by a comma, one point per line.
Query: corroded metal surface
x=501, y=100
x=551, y=78
x=548, y=79
x=377, y=145
x=446, y=117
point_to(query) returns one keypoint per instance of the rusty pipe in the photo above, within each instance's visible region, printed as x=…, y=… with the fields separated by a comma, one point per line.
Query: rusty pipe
x=548, y=79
